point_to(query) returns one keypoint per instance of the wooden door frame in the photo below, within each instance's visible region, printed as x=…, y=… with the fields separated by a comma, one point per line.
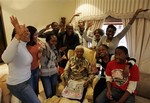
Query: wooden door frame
x=3, y=43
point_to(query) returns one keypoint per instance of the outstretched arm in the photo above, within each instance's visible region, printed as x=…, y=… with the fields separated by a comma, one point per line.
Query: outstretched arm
x=135, y=15
x=11, y=50
x=41, y=32
x=19, y=30
x=73, y=17
x=87, y=35
x=125, y=30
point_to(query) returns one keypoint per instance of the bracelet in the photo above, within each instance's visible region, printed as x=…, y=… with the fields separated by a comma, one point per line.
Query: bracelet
x=16, y=39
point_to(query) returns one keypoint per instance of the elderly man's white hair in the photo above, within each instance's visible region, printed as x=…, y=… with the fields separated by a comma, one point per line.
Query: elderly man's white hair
x=79, y=47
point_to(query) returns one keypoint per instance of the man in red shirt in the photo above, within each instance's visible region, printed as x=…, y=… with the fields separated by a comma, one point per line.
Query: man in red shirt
x=119, y=87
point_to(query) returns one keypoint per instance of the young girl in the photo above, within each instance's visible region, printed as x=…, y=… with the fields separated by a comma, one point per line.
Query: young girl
x=49, y=71
x=111, y=40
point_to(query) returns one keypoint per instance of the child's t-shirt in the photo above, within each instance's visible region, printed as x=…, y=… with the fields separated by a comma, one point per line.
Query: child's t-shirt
x=115, y=70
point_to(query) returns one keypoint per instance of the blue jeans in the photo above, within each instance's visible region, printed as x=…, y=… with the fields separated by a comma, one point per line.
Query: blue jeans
x=24, y=92
x=116, y=95
x=50, y=85
x=35, y=79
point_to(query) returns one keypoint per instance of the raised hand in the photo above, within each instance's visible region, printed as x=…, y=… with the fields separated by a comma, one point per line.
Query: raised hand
x=17, y=27
x=22, y=32
x=89, y=23
x=77, y=14
x=136, y=13
x=141, y=10
x=48, y=26
x=14, y=22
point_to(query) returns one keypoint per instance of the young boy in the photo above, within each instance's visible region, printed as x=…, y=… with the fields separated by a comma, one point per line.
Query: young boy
x=119, y=88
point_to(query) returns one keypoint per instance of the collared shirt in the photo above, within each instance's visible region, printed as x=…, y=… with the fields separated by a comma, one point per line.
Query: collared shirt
x=78, y=69
x=48, y=65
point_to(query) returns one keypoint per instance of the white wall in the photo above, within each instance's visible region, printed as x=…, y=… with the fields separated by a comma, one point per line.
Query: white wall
x=38, y=13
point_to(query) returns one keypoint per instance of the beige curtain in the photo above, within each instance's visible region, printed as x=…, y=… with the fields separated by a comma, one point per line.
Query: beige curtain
x=138, y=37
x=98, y=10
x=99, y=7
x=97, y=24
x=138, y=42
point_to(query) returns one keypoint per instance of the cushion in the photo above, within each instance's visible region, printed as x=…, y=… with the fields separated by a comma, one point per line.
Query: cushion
x=3, y=78
x=70, y=53
x=143, y=87
x=5, y=92
x=54, y=99
x=89, y=93
x=60, y=88
x=14, y=100
x=88, y=54
x=65, y=100
x=139, y=99
x=3, y=69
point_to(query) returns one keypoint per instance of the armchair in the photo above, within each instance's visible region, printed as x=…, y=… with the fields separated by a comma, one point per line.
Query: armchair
x=90, y=56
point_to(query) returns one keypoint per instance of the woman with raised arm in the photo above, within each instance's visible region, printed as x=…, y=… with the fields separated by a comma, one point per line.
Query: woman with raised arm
x=34, y=47
x=112, y=41
x=19, y=61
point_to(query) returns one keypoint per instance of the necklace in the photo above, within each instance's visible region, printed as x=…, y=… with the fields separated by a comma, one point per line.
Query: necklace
x=108, y=42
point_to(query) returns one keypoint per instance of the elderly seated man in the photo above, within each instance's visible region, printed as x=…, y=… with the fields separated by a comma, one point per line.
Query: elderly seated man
x=78, y=69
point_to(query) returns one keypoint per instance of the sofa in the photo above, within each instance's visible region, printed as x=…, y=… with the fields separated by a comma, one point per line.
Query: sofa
x=143, y=89
x=5, y=94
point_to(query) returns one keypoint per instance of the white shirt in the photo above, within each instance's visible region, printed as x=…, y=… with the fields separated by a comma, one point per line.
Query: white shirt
x=115, y=41
x=94, y=42
x=82, y=40
x=19, y=61
x=85, y=39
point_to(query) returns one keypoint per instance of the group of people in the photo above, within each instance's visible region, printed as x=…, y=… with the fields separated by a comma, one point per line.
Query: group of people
x=27, y=58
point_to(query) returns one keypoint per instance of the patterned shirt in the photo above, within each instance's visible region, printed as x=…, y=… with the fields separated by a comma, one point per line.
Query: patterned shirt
x=78, y=69
x=48, y=62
